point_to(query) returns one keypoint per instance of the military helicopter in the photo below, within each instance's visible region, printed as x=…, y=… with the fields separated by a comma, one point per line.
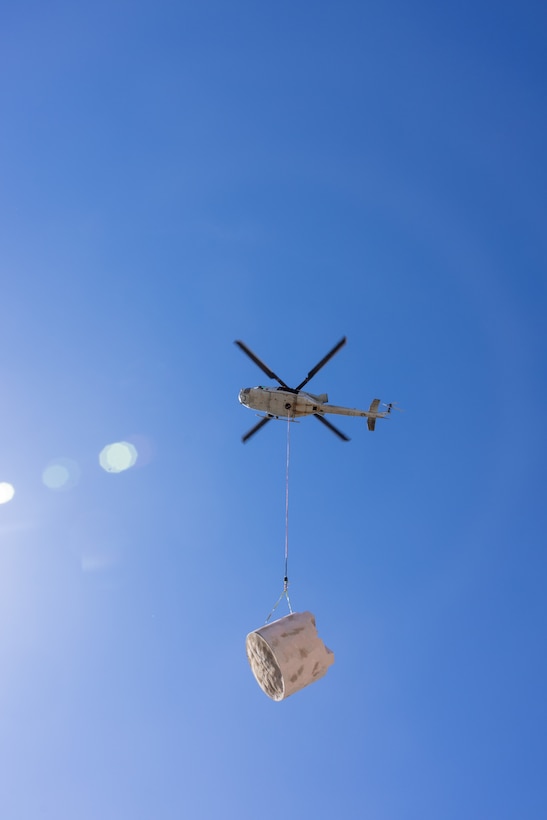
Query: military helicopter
x=289, y=402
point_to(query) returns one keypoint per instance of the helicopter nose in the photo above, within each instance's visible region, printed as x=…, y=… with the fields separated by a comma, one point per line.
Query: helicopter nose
x=243, y=395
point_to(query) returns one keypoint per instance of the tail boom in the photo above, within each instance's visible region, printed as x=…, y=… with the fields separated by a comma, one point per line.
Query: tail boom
x=371, y=414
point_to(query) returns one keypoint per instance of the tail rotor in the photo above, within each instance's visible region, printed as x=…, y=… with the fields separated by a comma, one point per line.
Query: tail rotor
x=392, y=405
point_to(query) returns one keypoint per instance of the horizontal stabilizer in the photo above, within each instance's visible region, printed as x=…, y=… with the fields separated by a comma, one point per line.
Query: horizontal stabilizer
x=371, y=420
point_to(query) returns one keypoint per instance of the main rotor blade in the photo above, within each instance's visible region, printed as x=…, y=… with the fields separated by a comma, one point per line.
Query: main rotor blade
x=322, y=363
x=261, y=365
x=331, y=427
x=255, y=429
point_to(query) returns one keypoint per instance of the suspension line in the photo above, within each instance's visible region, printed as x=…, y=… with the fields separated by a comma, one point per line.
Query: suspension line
x=285, y=593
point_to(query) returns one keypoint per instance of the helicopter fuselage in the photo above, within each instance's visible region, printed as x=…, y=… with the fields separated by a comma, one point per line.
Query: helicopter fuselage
x=280, y=403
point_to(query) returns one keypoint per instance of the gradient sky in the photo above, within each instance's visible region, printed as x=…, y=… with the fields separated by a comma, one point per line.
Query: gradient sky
x=174, y=176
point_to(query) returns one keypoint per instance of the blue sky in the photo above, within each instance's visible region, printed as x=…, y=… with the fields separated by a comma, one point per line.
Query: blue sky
x=174, y=176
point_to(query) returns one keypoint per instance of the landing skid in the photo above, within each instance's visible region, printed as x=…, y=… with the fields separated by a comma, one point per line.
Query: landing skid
x=269, y=416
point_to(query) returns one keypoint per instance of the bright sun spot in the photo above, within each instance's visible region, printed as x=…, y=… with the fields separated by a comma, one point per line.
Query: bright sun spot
x=115, y=458
x=7, y=492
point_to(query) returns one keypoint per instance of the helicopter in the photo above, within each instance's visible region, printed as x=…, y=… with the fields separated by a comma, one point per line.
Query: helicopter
x=289, y=402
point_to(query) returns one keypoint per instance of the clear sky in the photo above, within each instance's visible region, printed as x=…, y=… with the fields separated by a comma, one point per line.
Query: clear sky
x=174, y=176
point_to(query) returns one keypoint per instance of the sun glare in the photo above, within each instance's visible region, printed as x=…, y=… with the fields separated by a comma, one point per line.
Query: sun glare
x=7, y=492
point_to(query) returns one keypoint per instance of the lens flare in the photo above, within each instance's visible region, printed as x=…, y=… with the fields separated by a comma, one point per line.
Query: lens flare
x=61, y=474
x=117, y=457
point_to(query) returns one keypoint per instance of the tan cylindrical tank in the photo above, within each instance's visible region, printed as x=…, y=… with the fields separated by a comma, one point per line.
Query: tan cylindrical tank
x=287, y=655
